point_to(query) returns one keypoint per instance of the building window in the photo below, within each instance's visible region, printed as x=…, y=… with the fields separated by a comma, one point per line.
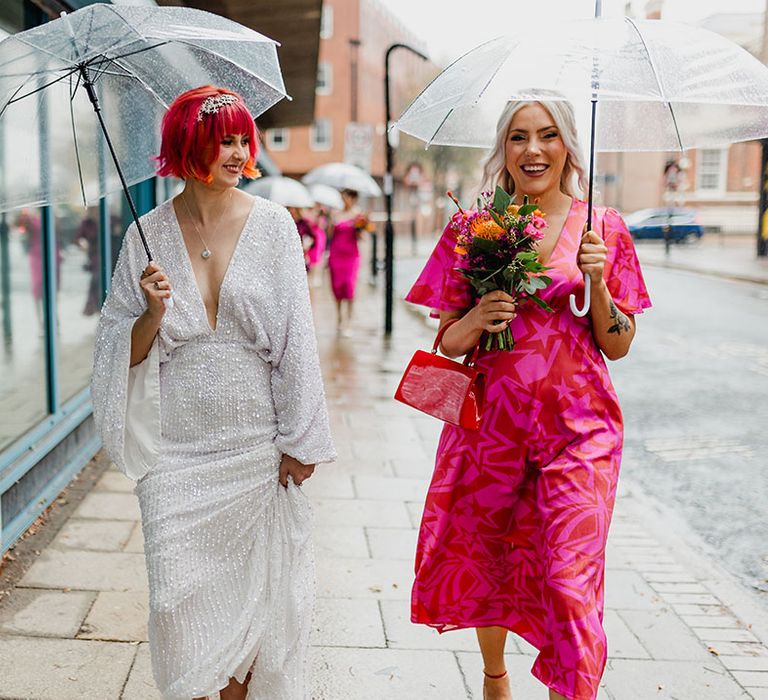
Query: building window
x=320, y=135
x=711, y=170
x=324, y=78
x=278, y=139
x=326, y=22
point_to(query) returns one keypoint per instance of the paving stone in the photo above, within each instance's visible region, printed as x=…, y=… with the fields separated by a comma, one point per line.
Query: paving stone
x=360, y=512
x=627, y=590
x=403, y=634
x=758, y=693
x=117, y=616
x=113, y=480
x=669, y=587
x=664, y=634
x=141, y=685
x=90, y=571
x=704, y=622
x=63, y=669
x=414, y=468
x=385, y=674
x=691, y=598
x=752, y=679
x=326, y=483
x=393, y=449
x=695, y=609
x=714, y=636
x=622, y=642
x=45, y=613
x=679, y=576
x=747, y=649
x=392, y=543
x=670, y=680
x=347, y=465
x=364, y=578
x=109, y=506
x=103, y=535
x=347, y=622
x=744, y=663
x=135, y=542
x=524, y=684
x=333, y=541
x=390, y=488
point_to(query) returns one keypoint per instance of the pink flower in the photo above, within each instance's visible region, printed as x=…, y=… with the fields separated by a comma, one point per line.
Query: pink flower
x=532, y=232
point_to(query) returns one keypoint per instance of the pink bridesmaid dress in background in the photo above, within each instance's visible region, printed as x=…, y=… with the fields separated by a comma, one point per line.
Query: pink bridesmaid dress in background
x=344, y=259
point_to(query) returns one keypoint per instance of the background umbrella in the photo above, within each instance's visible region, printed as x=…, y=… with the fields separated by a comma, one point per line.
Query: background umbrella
x=326, y=196
x=283, y=190
x=343, y=176
x=115, y=69
x=661, y=86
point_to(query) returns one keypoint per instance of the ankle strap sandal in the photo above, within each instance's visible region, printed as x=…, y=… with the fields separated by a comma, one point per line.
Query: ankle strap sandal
x=494, y=678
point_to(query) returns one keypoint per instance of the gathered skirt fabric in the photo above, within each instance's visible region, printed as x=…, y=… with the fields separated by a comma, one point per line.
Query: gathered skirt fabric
x=231, y=576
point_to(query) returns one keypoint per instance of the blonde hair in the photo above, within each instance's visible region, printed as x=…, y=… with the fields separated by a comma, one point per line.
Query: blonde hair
x=495, y=167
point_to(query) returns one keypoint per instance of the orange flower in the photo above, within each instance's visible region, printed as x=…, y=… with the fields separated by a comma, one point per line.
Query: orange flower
x=485, y=227
x=461, y=250
x=513, y=209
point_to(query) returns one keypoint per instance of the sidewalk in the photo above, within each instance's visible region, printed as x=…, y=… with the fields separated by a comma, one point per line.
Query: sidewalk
x=729, y=256
x=678, y=628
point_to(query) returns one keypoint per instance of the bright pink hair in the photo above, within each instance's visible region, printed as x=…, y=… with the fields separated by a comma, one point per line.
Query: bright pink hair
x=190, y=146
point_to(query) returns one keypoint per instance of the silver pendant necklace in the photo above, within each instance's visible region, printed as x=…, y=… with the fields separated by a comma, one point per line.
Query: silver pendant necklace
x=206, y=251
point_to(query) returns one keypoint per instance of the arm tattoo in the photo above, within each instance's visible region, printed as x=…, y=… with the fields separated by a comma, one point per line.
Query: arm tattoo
x=621, y=322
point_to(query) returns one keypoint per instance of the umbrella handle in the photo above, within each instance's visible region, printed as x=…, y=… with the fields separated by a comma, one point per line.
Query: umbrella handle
x=575, y=310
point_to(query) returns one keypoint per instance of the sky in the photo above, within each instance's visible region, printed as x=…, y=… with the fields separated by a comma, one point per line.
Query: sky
x=453, y=27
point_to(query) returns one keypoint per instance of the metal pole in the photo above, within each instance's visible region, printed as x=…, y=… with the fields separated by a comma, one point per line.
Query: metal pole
x=389, y=231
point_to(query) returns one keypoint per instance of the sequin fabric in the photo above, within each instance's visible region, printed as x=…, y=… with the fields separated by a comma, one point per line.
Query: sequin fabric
x=228, y=552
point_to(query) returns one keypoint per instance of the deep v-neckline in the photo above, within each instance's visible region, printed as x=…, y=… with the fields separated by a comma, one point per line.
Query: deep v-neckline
x=561, y=235
x=191, y=269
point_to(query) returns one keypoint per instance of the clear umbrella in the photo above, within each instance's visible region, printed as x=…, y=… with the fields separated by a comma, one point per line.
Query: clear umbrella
x=283, y=190
x=134, y=61
x=326, y=196
x=343, y=176
x=661, y=86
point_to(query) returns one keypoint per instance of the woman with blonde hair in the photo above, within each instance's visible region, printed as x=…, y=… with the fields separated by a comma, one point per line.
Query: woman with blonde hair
x=516, y=518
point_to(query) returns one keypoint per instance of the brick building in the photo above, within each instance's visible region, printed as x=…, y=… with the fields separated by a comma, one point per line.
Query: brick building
x=349, y=103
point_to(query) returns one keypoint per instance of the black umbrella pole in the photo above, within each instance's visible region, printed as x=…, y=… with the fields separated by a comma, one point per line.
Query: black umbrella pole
x=591, y=164
x=96, y=108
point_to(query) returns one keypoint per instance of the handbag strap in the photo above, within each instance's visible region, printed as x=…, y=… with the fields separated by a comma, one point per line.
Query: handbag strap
x=469, y=358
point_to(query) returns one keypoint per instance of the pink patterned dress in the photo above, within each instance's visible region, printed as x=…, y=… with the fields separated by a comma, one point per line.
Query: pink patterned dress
x=344, y=259
x=517, y=514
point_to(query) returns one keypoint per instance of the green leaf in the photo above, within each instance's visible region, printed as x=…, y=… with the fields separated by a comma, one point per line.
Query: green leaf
x=527, y=209
x=501, y=200
x=498, y=221
x=538, y=283
x=543, y=304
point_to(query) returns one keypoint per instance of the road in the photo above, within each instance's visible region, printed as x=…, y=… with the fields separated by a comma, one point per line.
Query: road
x=694, y=392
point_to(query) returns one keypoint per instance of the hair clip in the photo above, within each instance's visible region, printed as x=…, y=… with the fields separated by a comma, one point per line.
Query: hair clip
x=211, y=105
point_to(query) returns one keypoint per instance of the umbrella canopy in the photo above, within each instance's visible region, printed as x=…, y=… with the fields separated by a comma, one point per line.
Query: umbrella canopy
x=283, y=190
x=661, y=86
x=327, y=196
x=343, y=176
x=139, y=59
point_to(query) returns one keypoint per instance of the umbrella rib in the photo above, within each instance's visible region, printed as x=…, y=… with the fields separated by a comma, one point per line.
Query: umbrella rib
x=658, y=81
x=440, y=126
x=147, y=87
x=133, y=53
x=74, y=136
x=32, y=92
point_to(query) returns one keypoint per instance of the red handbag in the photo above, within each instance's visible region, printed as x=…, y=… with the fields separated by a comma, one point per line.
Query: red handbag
x=451, y=391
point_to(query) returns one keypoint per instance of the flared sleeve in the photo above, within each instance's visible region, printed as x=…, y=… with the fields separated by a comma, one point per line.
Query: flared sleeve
x=303, y=431
x=441, y=286
x=622, y=271
x=126, y=400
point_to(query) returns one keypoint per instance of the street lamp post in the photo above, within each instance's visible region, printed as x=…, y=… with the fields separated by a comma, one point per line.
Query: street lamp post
x=389, y=189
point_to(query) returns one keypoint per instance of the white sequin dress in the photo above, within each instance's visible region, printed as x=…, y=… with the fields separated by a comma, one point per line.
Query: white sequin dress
x=228, y=550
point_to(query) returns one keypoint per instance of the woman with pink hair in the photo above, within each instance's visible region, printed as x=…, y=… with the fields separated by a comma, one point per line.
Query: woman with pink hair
x=215, y=405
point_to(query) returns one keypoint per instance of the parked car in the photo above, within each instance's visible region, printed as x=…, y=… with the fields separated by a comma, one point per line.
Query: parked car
x=683, y=224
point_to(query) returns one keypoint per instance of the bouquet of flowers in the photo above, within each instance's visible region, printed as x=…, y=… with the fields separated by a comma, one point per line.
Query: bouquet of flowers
x=495, y=242
x=363, y=225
